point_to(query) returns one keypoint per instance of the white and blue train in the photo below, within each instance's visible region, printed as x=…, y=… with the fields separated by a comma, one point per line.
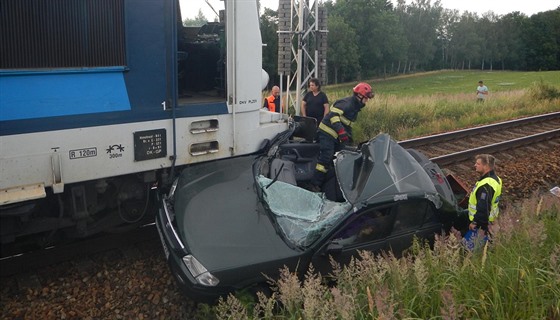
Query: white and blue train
x=100, y=100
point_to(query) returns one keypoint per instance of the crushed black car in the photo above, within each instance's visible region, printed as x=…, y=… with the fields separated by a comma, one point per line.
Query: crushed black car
x=226, y=225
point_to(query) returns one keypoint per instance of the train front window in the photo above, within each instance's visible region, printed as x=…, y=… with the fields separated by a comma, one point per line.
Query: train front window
x=201, y=58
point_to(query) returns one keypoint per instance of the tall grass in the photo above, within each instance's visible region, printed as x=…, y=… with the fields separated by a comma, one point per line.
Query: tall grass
x=422, y=115
x=513, y=277
x=406, y=108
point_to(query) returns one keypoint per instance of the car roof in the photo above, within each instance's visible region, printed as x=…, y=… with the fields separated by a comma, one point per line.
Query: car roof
x=382, y=171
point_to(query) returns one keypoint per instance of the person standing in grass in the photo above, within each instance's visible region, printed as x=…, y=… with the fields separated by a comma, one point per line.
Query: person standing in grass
x=315, y=103
x=484, y=199
x=481, y=91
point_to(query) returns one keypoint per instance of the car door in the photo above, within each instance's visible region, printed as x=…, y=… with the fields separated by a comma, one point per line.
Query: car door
x=412, y=218
x=367, y=230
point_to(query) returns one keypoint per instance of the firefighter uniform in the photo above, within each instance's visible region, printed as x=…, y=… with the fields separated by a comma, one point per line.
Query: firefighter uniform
x=334, y=131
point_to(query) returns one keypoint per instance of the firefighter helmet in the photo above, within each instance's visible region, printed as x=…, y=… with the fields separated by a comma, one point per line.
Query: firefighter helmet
x=364, y=89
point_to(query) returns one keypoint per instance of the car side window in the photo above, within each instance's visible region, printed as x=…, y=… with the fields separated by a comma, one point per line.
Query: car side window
x=410, y=215
x=373, y=224
x=430, y=213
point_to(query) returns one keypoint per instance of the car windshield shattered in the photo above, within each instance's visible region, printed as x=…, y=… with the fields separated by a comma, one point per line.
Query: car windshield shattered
x=302, y=215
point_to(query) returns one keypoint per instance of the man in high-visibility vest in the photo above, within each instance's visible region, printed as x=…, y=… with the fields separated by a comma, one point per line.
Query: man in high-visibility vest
x=272, y=102
x=484, y=198
x=335, y=130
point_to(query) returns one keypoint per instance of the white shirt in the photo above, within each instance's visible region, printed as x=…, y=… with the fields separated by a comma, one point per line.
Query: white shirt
x=482, y=91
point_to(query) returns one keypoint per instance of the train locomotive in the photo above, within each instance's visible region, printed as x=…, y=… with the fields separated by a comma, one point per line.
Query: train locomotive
x=103, y=100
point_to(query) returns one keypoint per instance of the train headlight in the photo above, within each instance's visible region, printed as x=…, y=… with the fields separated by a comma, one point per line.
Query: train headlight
x=264, y=79
x=199, y=272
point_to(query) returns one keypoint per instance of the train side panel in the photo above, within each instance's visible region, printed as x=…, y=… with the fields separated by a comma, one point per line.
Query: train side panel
x=99, y=100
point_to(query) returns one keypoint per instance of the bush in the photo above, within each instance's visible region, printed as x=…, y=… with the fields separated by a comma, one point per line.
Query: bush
x=544, y=91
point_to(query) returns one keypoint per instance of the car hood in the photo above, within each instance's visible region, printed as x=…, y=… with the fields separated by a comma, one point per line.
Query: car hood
x=220, y=218
x=382, y=170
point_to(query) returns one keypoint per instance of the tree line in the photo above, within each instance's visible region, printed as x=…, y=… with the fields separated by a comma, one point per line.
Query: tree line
x=373, y=38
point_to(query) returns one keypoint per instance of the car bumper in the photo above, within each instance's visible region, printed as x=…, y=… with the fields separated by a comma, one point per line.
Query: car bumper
x=174, y=253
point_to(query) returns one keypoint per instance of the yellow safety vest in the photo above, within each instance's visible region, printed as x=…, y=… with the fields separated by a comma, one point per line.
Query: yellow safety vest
x=494, y=210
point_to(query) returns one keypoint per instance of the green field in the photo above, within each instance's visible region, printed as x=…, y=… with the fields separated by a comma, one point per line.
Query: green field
x=457, y=82
x=433, y=102
x=450, y=82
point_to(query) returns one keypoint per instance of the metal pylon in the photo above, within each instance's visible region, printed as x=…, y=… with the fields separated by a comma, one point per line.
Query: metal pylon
x=302, y=47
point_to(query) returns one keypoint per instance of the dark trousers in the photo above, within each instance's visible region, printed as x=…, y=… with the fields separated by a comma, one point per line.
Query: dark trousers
x=327, y=147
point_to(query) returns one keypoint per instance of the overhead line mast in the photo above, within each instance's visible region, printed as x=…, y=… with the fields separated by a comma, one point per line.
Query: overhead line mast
x=302, y=47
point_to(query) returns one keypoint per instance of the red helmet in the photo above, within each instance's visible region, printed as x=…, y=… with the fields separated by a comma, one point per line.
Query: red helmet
x=364, y=89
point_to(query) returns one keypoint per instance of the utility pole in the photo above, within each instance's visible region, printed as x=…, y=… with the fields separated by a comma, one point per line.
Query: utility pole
x=302, y=47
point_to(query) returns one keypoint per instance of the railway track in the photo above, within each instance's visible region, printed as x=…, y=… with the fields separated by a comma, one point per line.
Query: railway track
x=456, y=146
x=446, y=149
x=125, y=244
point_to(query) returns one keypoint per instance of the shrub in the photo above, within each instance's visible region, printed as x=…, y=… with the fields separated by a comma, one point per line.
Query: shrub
x=544, y=91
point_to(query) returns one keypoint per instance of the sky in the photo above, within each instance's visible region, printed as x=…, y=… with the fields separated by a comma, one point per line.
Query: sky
x=529, y=7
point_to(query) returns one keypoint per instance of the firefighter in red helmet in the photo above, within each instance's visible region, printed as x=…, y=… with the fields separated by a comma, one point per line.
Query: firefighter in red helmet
x=335, y=130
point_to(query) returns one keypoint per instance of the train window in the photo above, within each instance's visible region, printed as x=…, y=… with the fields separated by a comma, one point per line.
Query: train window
x=39, y=34
x=201, y=63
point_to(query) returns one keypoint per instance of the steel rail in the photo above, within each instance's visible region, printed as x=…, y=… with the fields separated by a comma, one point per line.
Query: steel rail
x=416, y=142
x=492, y=148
